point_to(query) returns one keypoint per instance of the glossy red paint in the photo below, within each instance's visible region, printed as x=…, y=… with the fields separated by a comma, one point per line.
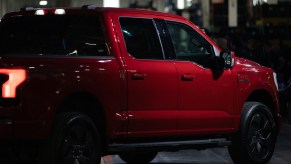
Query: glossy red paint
x=139, y=98
x=205, y=103
x=50, y=80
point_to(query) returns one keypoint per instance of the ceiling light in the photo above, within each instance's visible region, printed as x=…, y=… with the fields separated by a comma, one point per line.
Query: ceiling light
x=43, y=3
x=111, y=3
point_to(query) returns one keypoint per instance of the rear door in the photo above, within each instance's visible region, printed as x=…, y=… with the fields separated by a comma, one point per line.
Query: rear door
x=152, y=80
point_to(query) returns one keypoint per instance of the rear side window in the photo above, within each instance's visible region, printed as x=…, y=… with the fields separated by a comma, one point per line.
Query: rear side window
x=61, y=35
x=141, y=38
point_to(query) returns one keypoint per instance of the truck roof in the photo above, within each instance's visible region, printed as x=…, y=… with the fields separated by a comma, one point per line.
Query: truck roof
x=29, y=11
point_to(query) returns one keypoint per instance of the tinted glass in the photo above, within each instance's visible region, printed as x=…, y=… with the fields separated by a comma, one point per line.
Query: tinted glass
x=189, y=44
x=141, y=38
x=52, y=35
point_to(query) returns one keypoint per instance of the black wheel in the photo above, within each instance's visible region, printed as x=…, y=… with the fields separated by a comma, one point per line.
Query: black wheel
x=138, y=157
x=75, y=141
x=255, y=141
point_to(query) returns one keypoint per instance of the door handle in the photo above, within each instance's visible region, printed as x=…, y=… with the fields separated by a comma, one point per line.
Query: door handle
x=138, y=76
x=188, y=77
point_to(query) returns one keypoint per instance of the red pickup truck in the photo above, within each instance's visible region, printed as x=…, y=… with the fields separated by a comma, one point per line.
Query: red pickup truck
x=81, y=83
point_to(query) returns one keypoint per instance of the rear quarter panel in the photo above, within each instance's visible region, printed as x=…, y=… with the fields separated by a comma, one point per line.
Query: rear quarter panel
x=52, y=79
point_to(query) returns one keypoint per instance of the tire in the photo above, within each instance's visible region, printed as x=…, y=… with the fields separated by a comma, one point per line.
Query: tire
x=75, y=140
x=140, y=157
x=255, y=141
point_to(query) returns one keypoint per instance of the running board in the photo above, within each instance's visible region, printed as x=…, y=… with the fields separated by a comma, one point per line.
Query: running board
x=169, y=146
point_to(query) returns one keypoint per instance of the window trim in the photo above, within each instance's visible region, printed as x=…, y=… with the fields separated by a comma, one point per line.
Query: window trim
x=165, y=35
x=160, y=41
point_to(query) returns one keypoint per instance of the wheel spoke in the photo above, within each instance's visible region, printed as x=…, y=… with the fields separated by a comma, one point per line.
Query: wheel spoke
x=262, y=139
x=258, y=147
x=266, y=126
x=70, y=140
x=265, y=149
x=84, y=160
x=255, y=123
x=260, y=121
x=72, y=137
x=259, y=133
x=79, y=132
x=266, y=130
x=252, y=147
x=266, y=144
x=77, y=140
x=89, y=146
x=76, y=161
x=67, y=148
x=68, y=145
x=253, y=141
x=254, y=126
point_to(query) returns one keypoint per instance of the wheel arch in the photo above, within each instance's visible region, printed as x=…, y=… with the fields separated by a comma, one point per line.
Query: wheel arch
x=265, y=98
x=86, y=103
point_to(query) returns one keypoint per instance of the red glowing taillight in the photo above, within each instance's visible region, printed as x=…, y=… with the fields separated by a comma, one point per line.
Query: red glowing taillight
x=15, y=78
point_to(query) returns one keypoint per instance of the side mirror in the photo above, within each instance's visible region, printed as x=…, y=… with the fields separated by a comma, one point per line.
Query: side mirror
x=217, y=66
x=217, y=63
x=228, y=57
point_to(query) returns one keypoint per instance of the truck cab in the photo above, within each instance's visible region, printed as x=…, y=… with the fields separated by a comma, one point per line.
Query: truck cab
x=98, y=81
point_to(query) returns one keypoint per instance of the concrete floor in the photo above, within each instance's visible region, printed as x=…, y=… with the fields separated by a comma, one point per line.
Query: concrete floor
x=282, y=154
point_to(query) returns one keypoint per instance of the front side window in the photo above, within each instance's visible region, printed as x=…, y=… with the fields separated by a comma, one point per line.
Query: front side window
x=141, y=38
x=60, y=35
x=189, y=45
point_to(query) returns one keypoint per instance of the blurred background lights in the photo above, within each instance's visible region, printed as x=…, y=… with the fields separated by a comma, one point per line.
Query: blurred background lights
x=39, y=12
x=181, y=4
x=43, y=3
x=60, y=11
x=111, y=3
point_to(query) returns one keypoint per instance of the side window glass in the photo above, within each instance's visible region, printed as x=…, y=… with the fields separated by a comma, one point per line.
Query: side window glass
x=141, y=38
x=189, y=45
x=58, y=35
x=85, y=37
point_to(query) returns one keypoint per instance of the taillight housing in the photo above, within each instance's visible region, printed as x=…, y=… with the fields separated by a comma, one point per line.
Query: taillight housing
x=10, y=80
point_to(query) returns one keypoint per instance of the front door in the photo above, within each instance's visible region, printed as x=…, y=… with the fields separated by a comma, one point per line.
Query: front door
x=205, y=95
